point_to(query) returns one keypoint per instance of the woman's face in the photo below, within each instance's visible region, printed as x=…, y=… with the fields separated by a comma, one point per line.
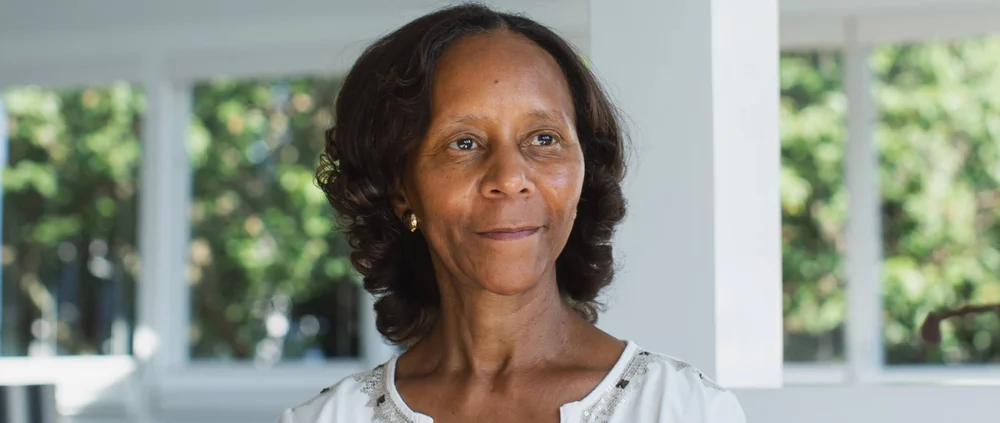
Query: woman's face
x=497, y=178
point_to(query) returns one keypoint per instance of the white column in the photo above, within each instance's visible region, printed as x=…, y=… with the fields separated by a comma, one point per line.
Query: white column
x=700, y=249
x=863, y=261
x=160, y=344
x=161, y=335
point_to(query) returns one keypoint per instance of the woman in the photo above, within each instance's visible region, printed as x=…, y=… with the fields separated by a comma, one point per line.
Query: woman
x=475, y=167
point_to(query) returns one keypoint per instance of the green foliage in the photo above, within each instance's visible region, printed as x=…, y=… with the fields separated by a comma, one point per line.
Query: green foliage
x=937, y=137
x=813, y=205
x=69, y=220
x=262, y=236
x=940, y=181
x=269, y=275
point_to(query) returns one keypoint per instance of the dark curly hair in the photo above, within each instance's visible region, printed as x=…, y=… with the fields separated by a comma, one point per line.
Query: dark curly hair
x=383, y=112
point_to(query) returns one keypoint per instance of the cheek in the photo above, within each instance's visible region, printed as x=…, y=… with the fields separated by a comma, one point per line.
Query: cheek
x=564, y=184
x=442, y=193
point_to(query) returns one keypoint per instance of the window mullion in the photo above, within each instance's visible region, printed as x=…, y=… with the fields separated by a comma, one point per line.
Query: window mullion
x=164, y=224
x=863, y=255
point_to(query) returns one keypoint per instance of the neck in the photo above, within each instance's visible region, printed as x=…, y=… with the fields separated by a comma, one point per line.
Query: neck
x=487, y=333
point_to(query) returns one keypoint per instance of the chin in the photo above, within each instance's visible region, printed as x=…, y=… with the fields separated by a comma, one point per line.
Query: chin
x=512, y=269
x=508, y=283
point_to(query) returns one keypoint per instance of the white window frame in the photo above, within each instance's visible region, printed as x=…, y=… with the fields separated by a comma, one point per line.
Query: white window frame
x=166, y=61
x=863, y=388
x=863, y=364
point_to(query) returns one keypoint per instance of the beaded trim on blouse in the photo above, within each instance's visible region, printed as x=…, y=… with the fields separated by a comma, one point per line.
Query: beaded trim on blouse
x=630, y=381
x=386, y=411
x=374, y=384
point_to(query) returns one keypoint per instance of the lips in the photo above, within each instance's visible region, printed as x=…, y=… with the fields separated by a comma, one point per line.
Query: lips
x=509, y=234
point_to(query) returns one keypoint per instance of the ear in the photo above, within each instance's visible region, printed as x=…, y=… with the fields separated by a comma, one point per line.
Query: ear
x=400, y=203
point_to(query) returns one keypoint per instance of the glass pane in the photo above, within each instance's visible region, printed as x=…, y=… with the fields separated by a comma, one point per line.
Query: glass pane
x=69, y=220
x=940, y=180
x=813, y=205
x=270, y=277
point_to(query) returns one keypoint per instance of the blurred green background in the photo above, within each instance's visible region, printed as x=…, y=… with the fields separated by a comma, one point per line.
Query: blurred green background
x=938, y=133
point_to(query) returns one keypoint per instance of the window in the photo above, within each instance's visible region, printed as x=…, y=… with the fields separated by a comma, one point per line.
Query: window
x=938, y=139
x=813, y=203
x=939, y=143
x=270, y=277
x=70, y=196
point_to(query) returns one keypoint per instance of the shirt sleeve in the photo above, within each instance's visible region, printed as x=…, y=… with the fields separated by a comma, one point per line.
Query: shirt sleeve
x=724, y=409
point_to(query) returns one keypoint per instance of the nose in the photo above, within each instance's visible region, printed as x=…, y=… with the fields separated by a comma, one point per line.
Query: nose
x=507, y=174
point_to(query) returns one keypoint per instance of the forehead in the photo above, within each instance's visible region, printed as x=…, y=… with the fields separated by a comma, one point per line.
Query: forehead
x=496, y=69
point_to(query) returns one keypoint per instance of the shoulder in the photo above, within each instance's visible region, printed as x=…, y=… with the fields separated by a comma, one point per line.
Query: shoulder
x=680, y=389
x=349, y=400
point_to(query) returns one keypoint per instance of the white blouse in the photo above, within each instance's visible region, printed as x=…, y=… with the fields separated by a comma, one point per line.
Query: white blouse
x=641, y=387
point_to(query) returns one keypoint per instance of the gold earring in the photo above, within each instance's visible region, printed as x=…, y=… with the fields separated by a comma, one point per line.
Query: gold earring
x=412, y=220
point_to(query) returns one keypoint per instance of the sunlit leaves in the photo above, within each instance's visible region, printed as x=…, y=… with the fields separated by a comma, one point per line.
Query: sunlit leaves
x=70, y=214
x=50, y=230
x=198, y=142
x=937, y=136
x=938, y=142
x=254, y=146
x=813, y=203
x=26, y=175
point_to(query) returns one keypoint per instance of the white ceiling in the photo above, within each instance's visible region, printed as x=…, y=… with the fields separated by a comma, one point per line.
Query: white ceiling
x=19, y=17
x=24, y=17
x=847, y=7
x=42, y=31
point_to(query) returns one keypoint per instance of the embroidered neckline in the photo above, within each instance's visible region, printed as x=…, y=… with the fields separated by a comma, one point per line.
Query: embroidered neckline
x=619, y=393
x=629, y=383
x=374, y=384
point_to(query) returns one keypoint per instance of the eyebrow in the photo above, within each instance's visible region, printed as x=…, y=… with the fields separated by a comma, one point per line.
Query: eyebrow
x=543, y=115
x=540, y=114
x=469, y=118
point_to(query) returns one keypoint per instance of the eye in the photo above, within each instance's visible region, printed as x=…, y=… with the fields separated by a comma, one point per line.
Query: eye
x=543, y=140
x=464, y=144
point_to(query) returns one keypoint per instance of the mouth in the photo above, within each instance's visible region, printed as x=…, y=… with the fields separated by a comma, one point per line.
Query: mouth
x=509, y=234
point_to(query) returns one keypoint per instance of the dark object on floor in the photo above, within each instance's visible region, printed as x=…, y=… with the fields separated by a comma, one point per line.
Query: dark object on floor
x=28, y=404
